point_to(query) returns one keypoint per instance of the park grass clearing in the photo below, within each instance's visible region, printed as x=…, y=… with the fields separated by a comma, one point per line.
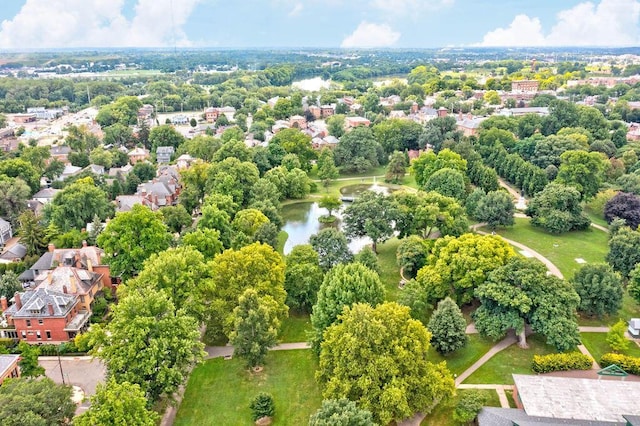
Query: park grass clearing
x=561, y=249
x=463, y=358
x=596, y=344
x=630, y=309
x=442, y=415
x=219, y=392
x=512, y=360
x=282, y=239
x=596, y=218
x=389, y=270
x=295, y=327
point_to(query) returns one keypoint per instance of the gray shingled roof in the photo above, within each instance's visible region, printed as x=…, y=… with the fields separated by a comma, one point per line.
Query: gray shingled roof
x=493, y=416
x=76, y=281
x=6, y=362
x=35, y=304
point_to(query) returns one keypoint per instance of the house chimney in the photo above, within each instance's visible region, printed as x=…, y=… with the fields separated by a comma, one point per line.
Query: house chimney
x=51, y=247
x=50, y=307
x=64, y=289
x=16, y=298
x=3, y=303
x=84, y=243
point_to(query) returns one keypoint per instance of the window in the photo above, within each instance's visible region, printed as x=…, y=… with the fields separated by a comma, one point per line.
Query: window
x=40, y=321
x=24, y=334
x=28, y=323
x=38, y=335
x=81, y=299
x=48, y=334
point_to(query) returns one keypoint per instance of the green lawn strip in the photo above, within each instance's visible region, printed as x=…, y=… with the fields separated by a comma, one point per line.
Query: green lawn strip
x=219, y=392
x=389, y=270
x=295, y=327
x=596, y=344
x=596, y=218
x=630, y=309
x=282, y=239
x=512, y=360
x=562, y=249
x=463, y=358
x=512, y=402
x=442, y=415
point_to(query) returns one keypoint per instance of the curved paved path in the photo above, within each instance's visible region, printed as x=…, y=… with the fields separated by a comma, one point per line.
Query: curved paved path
x=223, y=351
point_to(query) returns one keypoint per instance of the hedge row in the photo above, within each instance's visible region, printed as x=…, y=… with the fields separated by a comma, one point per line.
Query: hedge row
x=561, y=362
x=630, y=364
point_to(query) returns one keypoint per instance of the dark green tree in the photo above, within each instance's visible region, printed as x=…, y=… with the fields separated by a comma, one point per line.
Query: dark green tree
x=332, y=248
x=448, y=327
x=600, y=289
x=28, y=401
x=341, y=412
x=372, y=215
x=496, y=209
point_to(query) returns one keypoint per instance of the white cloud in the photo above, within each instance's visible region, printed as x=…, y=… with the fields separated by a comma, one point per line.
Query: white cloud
x=96, y=23
x=402, y=7
x=297, y=8
x=371, y=35
x=608, y=23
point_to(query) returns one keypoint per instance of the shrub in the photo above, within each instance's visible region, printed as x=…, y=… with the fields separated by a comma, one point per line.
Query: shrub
x=468, y=406
x=630, y=364
x=262, y=406
x=561, y=362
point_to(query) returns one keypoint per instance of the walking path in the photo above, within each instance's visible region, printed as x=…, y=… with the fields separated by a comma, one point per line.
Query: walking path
x=227, y=351
x=501, y=345
x=585, y=351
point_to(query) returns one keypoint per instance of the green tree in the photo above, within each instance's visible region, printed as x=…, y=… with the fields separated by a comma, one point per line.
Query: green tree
x=332, y=248
x=557, y=209
x=29, y=366
x=206, y=241
x=28, y=401
x=303, y=277
x=118, y=404
x=233, y=148
x=77, y=204
x=176, y=217
x=397, y=134
x=368, y=258
x=14, y=194
x=600, y=289
x=257, y=266
x=411, y=254
x=343, y=286
x=357, y=151
x=327, y=170
x=397, y=167
x=492, y=98
x=623, y=253
x=295, y=142
x=379, y=357
x=428, y=163
x=262, y=406
x=448, y=327
x=521, y=293
x=131, y=238
x=468, y=406
x=335, y=125
x=341, y=412
x=420, y=213
x=371, y=215
x=101, y=157
x=457, y=266
x=164, y=135
x=634, y=284
x=149, y=342
x=447, y=182
x=496, y=209
x=255, y=327
x=582, y=170
x=9, y=284
x=298, y=184
x=616, y=337
x=31, y=232
x=18, y=168
x=248, y=222
x=330, y=202
x=181, y=273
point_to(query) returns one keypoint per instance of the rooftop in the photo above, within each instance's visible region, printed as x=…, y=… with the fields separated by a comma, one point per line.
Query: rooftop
x=579, y=399
x=7, y=362
x=35, y=302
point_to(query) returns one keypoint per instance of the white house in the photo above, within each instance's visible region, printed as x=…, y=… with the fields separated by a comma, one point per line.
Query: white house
x=634, y=327
x=5, y=231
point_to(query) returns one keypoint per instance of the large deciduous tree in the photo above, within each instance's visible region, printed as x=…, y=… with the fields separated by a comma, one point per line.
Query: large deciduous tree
x=397, y=134
x=583, y=170
x=496, y=209
x=397, y=167
x=332, y=248
x=623, y=253
x=371, y=215
x=255, y=327
x=165, y=135
x=448, y=327
x=14, y=193
x=9, y=284
x=378, y=358
x=131, y=238
x=293, y=141
x=447, y=182
x=342, y=286
x=27, y=401
x=600, y=289
x=303, y=277
x=149, y=342
x=357, y=151
x=557, y=209
x=521, y=293
x=428, y=163
x=623, y=206
x=327, y=170
x=118, y=404
x=421, y=213
x=77, y=204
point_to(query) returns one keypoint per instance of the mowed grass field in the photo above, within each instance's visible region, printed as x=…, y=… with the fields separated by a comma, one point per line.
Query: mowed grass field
x=219, y=392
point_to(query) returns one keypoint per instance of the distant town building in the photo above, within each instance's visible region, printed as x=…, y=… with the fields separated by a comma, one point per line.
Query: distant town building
x=164, y=154
x=525, y=86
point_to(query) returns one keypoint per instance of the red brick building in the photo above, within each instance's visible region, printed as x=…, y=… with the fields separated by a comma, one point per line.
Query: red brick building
x=43, y=316
x=9, y=367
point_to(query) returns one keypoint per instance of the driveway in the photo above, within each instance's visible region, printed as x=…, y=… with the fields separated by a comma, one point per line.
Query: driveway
x=78, y=371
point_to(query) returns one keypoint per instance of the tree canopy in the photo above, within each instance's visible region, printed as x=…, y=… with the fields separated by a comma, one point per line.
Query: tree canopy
x=27, y=401
x=77, y=204
x=371, y=214
x=557, y=209
x=600, y=289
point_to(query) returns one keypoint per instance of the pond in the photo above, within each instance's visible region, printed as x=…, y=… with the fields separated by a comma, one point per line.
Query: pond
x=301, y=222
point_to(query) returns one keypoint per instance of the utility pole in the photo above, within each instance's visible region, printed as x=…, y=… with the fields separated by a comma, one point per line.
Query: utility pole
x=60, y=365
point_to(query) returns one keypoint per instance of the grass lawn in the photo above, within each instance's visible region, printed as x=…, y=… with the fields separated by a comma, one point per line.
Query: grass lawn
x=596, y=344
x=629, y=309
x=282, y=239
x=562, y=249
x=295, y=327
x=465, y=357
x=596, y=218
x=442, y=415
x=219, y=392
x=512, y=402
x=498, y=370
x=389, y=270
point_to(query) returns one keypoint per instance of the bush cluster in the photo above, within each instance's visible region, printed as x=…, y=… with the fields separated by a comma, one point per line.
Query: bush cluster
x=561, y=362
x=262, y=406
x=52, y=350
x=630, y=364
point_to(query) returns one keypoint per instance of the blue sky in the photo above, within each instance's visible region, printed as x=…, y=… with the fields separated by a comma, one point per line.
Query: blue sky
x=317, y=23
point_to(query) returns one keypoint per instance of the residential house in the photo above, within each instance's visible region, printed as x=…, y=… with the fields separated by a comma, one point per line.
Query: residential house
x=145, y=112
x=442, y=112
x=13, y=252
x=96, y=169
x=351, y=122
x=137, y=155
x=184, y=161
x=43, y=316
x=6, y=233
x=60, y=153
x=123, y=171
x=228, y=111
x=525, y=86
x=24, y=118
x=316, y=111
x=327, y=141
x=298, y=122
x=46, y=195
x=179, y=119
x=397, y=114
x=211, y=114
x=517, y=112
x=9, y=367
x=71, y=280
x=69, y=171
x=469, y=125
x=634, y=327
x=327, y=110
x=124, y=203
x=164, y=154
x=8, y=143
